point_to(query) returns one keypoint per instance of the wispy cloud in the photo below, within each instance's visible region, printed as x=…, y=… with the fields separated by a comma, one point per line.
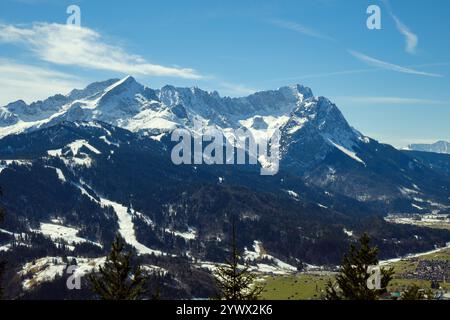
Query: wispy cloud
x=390, y=100
x=71, y=45
x=389, y=66
x=234, y=90
x=411, y=38
x=30, y=83
x=349, y=72
x=323, y=75
x=294, y=26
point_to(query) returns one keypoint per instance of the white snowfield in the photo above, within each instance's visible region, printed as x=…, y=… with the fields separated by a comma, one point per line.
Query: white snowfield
x=67, y=234
x=78, y=144
x=278, y=267
x=126, y=227
x=48, y=269
x=77, y=158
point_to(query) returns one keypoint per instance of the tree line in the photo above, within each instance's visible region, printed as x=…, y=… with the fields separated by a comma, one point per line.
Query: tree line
x=122, y=277
x=118, y=280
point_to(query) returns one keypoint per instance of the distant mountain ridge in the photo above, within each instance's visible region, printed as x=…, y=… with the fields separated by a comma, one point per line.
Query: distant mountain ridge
x=317, y=143
x=130, y=105
x=437, y=147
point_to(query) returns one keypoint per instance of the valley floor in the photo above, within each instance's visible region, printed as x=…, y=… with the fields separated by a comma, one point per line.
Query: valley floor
x=423, y=270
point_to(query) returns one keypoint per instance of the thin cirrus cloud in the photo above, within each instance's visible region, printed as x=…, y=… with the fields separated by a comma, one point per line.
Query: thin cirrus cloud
x=28, y=82
x=369, y=100
x=232, y=89
x=412, y=40
x=294, y=26
x=80, y=46
x=389, y=66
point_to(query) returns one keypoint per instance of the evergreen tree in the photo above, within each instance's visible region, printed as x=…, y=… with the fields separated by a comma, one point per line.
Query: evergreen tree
x=415, y=293
x=118, y=279
x=353, y=275
x=236, y=282
x=412, y=293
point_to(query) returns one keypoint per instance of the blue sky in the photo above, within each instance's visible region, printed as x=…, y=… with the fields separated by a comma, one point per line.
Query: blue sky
x=392, y=84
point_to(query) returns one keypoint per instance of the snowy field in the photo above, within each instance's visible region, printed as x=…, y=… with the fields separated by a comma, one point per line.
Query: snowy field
x=58, y=232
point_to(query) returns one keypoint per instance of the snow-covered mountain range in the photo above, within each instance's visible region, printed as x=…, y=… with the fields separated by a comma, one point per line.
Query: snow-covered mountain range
x=130, y=105
x=437, y=147
x=78, y=168
x=317, y=142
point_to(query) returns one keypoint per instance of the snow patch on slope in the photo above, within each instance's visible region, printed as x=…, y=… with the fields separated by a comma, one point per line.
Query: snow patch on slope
x=258, y=253
x=126, y=227
x=68, y=234
x=49, y=268
x=349, y=153
x=78, y=144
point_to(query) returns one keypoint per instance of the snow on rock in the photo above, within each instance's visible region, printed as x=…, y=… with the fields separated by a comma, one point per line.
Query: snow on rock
x=349, y=153
x=84, y=191
x=348, y=232
x=105, y=140
x=55, y=153
x=407, y=191
x=59, y=173
x=18, y=162
x=294, y=195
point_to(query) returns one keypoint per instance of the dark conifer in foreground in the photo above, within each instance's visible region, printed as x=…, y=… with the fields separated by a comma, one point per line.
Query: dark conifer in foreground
x=415, y=293
x=118, y=279
x=234, y=281
x=351, y=281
